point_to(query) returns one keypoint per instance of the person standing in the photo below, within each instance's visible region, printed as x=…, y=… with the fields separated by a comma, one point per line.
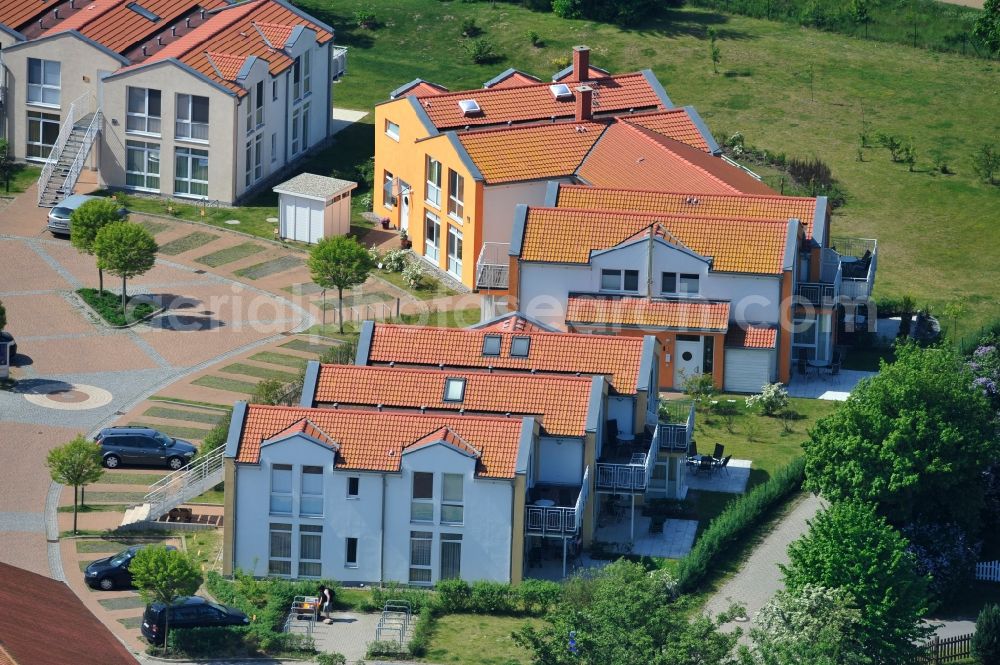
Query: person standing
x=320, y=595
x=326, y=601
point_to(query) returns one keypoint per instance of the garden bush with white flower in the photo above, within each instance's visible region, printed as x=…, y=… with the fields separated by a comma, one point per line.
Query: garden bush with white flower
x=394, y=260
x=773, y=399
x=413, y=274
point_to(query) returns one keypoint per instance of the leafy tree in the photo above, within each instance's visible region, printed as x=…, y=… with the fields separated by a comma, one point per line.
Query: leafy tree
x=624, y=615
x=713, y=50
x=700, y=386
x=849, y=547
x=86, y=221
x=269, y=391
x=986, y=162
x=986, y=641
x=216, y=437
x=916, y=432
x=987, y=27
x=815, y=625
x=861, y=13
x=340, y=262
x=163, y=576
x=945, y=554
x=126, y=250
x=7, y=164
x=78, y=463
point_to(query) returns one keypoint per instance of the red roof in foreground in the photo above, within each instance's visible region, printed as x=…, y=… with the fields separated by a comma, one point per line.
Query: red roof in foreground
x=374, y=440
x=44, y=623
x=743, y=336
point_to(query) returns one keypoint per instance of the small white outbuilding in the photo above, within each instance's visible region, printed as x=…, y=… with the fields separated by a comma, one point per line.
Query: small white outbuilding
x=312, y=207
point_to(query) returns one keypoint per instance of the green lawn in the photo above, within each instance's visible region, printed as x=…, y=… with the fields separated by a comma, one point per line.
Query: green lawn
x=475, y=639
x=307, y=346
x=259, y=372
x=274, y=266
x=279, y=359
x=215, y=497
x=187, y=243
x=779, y=87
x=210, y=418
x=122, y=478
x=154, y=227
x=459, y=318
x=221, y=383
x=230, y=254
x=203, y=547
x=429, y=288
x=177, y=430
x=24, y=177
x=253, y=219
x=179, y=400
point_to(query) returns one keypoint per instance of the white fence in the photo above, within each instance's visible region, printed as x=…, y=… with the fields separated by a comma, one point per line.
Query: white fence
x=988, y=571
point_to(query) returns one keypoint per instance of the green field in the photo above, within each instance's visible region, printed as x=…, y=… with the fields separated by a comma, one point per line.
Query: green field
x=777, y=85
x=474, y=639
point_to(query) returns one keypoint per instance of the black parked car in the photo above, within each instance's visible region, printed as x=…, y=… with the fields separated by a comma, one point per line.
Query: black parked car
x=142, y=445
x=188, y=612
x=112, y=572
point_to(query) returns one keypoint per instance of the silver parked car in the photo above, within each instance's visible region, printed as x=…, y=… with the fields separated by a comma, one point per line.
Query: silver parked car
x=59, y=216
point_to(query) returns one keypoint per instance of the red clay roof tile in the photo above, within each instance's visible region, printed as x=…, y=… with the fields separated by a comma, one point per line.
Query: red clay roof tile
x=674, y=124
x=514, y=79
x=743, y=336
x=676, y=314
x=447, y=435
x=560, y=401
x=735, y=206
x=226, y=64
x=374, y=441
x=749, y=245
x=512, y=323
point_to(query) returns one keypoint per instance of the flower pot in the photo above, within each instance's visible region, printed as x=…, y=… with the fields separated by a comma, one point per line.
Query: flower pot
x=406, y=243
x=385, y=223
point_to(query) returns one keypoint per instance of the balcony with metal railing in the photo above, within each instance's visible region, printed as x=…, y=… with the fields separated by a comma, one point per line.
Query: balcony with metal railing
x=556, y=511
x=493, y=266
x=858, y=263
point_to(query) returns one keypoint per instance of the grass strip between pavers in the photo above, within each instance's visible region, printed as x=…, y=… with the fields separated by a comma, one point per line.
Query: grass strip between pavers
x=122, y=478
x=96, y=508
x=230, y=254
x=181, y=414
x=222, y=383
x=187, y=243
x=308, y=347
x=279, y=359
x=274, y=266
x=259, y=372
x=131, y=622
x=154, y=227
x=192, y=402
x=115, y=497
x=177, y=430
x=125, y=603
x=303, y=289
x=101, y=546
x=353, y=300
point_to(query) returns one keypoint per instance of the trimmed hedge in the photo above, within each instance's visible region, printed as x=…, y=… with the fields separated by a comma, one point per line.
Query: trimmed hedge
x=109, y=306
x=534, y=597
x=736, y=520
x=417, y=645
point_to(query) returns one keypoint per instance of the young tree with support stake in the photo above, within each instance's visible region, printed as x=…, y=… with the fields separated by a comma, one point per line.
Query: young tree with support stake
x=163, y=576
x=340, y=263
x=84, y=224
x=78, y=463
x=126, y=250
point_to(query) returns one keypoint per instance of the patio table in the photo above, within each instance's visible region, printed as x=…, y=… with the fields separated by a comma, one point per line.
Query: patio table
x=545, y=503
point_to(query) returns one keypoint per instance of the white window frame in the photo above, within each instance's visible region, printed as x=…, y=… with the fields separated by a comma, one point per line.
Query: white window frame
x=311, y=503
x=619, y=275
x=259, y=104
x=273, y=558
x=143, y=123
x=305, y=127
x=449, y=539
x=432, y=246
x=297, y=79
x=419, y=505
x=348, y=561
x=388, y=196
x=456, y=196
x=432, y=173
x=310, y=531
x=280, y=494
x=453, y=506
x=189, y=155
x=258, y=166
x=150, y=153
x=357, y=484
x=39, y=89
x=455, y=247
x=42, y=119
x=392, y=130
x=186, y=128
x=307, y=73
x=682, y=280
x=419, y=542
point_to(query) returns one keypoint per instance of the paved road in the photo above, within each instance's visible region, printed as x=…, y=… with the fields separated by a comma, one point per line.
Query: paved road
x=760, y=577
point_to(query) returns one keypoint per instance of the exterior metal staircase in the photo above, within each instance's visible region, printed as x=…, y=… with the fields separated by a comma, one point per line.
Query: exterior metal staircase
x=176, y=489
x=66, y=161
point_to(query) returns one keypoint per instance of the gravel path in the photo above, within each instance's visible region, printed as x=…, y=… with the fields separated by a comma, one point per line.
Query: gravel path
x=760, y=576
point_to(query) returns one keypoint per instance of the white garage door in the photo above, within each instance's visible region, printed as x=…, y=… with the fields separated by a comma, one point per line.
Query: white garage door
x=747, y=369
x=302, y=218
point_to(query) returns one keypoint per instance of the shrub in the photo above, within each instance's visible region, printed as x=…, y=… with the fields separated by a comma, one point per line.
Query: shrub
x=386, y=648
x=567, y=8
x=422, y=633
x=341, y=354
x=109, y=306
x=772, y=399
x=482, y=51
x=986, y=640
x=538, y=596
x=736, y=520
x=366, y=201
x=700, y=386
x=470, y=29
x=365, y=17
x=413, y=274
x=365, y=172
x=331, y=659
x=535, y=39
x=945, y=554
x=417, y=598
x=216, y=437
x=491, y=598
x=812, y=170
x=394, y=260
x=986, y=163
x=375, y=255
x=453, y=596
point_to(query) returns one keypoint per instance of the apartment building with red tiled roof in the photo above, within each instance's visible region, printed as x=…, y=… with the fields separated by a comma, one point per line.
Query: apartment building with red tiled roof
x=197, y=99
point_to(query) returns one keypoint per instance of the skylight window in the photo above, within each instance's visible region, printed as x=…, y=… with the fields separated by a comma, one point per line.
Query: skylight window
x=454, y=390
x=491, y=345
x=561, y=91
x=469, y=107
x=520, y=346
x=143, y=12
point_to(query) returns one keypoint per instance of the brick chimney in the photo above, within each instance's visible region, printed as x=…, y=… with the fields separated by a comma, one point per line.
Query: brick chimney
x=581, y=63
x=584, y=103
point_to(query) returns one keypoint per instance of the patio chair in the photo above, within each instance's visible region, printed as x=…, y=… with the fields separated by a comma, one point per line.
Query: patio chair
x=835, y=365
x=800, y=363
x=706, y=463
x=692, y=449
x=724, y=463
x=718, y=452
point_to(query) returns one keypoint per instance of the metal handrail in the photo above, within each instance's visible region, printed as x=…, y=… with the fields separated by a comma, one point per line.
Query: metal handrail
x=174, y=485
x=493, y=266
x=57, y=148
x=615, y=477
x=338, y=61
x=81, y=156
